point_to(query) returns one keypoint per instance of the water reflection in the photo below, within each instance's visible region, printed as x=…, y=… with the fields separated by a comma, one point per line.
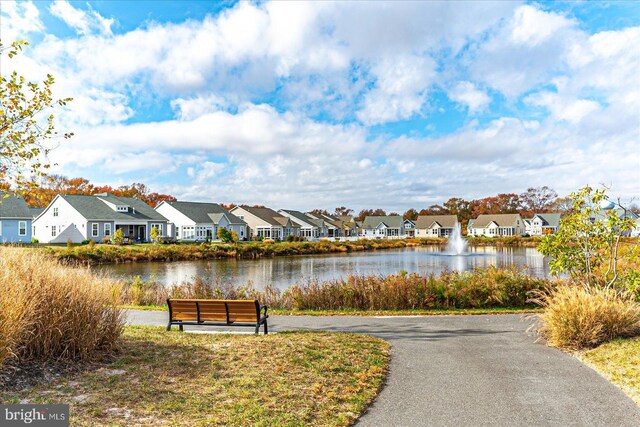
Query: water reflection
x=285, y=271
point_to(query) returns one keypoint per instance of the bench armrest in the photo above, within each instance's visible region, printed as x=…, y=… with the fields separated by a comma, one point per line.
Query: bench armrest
x=265, y=308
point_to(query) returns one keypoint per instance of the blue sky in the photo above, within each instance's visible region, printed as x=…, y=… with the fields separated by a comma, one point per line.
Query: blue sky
x=363, y=104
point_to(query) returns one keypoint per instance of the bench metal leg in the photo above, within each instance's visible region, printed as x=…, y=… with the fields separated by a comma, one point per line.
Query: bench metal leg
x=266, y=328
x=257, y=329
x=181, y=328
x=169, y=326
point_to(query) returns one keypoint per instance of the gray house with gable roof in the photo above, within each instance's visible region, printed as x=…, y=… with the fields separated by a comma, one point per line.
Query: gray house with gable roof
x=15, y=220
x=76, y=218
x=379, y=227
x=195, y=221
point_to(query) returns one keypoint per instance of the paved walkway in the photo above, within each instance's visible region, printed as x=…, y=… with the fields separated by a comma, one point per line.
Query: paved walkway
x=471, y=371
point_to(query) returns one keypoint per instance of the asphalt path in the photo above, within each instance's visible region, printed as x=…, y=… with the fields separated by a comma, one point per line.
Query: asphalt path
x=468, y=371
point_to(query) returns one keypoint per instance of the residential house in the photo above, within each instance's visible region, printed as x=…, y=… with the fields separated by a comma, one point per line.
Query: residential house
x=410, y=228
x=333, y=226
x=378, y=227
x=15, y=220
x=542, y=223
x=602, y=215
x=349, y=225
x=97, y=217
x=310, y=228
x=435, y=225
x=266, y=223
x=195, y=221
x=498, y=225
x=635, y=232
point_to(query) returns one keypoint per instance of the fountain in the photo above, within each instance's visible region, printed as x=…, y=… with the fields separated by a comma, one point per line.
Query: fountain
x=456, y=245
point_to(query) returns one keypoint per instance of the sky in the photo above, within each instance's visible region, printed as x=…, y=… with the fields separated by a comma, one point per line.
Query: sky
x=306, y=105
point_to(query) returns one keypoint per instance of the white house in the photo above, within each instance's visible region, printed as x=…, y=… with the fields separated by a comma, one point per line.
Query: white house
x=266, y=223
x=76, y=218
x=542, y=223
x=435, y=225
x=379, y=227
x=310, y=228
x=498, y=225
x=194, y=221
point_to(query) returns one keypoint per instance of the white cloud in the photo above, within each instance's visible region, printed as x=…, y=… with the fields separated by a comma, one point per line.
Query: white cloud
x=189, y=109
x=525, y=52
x=401, y=89
x=19, y=20
x=467, y=94
x=82, y=22
x=562, y=108
x=340, y=60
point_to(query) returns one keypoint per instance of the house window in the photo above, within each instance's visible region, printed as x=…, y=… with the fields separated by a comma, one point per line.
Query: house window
x=159, y=228
x=55, y=211
x=53, y=231
x=22, y=228
x=94, y=230
x=107, y=229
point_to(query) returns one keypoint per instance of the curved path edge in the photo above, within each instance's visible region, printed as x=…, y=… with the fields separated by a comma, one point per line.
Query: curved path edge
x=480, y=370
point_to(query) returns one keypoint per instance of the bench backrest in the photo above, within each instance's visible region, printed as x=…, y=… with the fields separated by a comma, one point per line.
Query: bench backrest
x=214, y=310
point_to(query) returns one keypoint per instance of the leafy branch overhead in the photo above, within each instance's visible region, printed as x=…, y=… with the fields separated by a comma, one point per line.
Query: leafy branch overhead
x=26, y=124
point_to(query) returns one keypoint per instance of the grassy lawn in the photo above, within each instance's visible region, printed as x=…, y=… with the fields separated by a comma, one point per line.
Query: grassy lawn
x=348, y=312
x=619, y=362
x=173, y=378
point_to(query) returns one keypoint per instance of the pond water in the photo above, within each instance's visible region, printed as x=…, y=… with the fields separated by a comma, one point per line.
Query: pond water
x=285, y=271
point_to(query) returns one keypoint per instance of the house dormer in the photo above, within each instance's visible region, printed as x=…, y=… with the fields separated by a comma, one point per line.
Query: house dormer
x=113, y=202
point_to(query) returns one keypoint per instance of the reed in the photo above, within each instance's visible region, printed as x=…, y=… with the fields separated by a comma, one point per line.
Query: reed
x=481, y=288
x=576, y=317
x=52, y=312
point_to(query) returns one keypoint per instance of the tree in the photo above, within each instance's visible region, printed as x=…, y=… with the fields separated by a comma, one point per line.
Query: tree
x=224, y=235
x=586, y=245
x=411, y=214
x=234, y=236
x=118, y=237
x=343, y=211
x=320, y=212
x=537, y=200
x=155, y=235
x=433, y=210
x=369, y=212
x=25, y=129
x=503, y=203
x=46, y=190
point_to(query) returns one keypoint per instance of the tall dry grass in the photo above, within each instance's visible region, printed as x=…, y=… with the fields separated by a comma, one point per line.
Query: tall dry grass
x=482, y=288
x=52, y=312
x=576, y=317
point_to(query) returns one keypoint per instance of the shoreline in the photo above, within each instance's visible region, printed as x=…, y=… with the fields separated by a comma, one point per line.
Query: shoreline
x=110, y=254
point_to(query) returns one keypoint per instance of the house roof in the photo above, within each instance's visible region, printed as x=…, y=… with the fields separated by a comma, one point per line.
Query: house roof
x=13, y=207
x=345, y=218
x=445, y=221
x=394, y=221
x=267, y=215
x=93, y=208
x=503, y=220
x=602, y=214
x=301, y=217
x=203, y=213
x=36, y=211
x=549, y=219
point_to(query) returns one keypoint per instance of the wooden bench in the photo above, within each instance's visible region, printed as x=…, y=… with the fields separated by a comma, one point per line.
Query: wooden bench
x=217, y=312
